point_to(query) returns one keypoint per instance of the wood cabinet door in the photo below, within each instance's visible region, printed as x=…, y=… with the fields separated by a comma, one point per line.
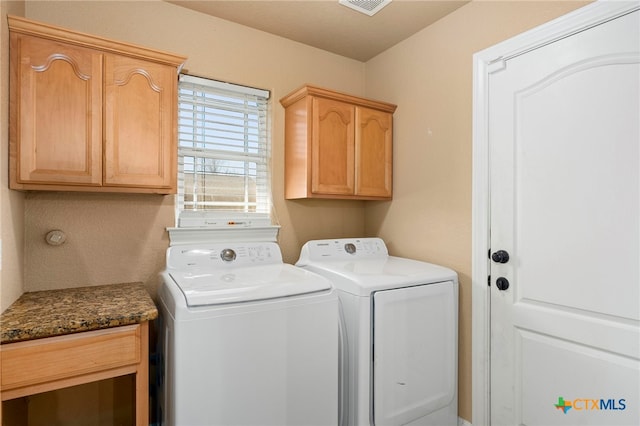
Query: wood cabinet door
x=332, y=147
x=140, y=124
x=373, y=142
x=56, y=113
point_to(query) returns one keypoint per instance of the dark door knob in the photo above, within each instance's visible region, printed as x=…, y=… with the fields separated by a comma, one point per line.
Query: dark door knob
x=500, y=256
x=502, y=283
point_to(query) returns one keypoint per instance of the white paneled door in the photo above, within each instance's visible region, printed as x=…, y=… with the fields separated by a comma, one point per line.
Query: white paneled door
x=564, y=136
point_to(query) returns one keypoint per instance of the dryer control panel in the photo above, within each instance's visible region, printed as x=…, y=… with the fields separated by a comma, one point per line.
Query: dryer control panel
x=343, y=249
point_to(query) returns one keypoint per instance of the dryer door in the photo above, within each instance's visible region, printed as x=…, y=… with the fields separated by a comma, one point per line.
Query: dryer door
x=415, y=352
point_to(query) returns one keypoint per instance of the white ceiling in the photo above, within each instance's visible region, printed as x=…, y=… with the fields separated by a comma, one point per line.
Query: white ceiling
x=327, y=25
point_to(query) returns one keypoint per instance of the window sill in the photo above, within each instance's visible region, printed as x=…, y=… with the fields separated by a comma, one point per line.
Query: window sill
x=194, y=235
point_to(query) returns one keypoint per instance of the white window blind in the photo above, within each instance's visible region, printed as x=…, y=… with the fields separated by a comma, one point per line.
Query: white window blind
x=223, y=149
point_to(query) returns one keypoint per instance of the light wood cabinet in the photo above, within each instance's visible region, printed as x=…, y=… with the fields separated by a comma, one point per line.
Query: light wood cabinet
x=52, y=363
x=90, y=114
x=80, y=335
x=337, y=146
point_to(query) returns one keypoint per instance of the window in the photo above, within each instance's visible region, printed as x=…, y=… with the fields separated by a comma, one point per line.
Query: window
x=223, y=151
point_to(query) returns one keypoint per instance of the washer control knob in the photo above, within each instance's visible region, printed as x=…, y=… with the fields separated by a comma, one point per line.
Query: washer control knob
x=228, y=255
x=350, y=248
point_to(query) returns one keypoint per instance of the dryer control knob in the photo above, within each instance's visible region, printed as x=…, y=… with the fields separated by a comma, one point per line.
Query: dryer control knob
x=228, y=255
x=350, y=248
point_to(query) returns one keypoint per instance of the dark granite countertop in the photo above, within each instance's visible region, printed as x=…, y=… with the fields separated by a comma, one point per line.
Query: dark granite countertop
x=56, y=312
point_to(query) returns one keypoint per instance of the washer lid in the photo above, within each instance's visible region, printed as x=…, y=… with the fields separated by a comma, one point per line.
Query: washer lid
x=209, y=286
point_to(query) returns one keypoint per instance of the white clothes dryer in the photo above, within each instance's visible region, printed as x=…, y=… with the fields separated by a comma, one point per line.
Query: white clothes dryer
x=401, y=320
x=247, y=339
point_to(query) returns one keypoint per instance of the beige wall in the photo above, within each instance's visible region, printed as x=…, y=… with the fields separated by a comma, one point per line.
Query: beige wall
x=11, y=202
x=122, y=238
x=430, y=77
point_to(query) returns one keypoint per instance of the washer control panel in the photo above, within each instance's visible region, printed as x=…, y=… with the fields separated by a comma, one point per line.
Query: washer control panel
x=343, y=249
x=222, y=255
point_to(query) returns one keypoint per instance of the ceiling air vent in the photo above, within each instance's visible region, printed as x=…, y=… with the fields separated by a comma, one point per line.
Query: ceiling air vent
x=368, y=7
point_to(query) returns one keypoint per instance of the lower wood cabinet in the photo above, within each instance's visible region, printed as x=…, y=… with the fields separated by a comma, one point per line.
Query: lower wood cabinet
x=52, y=363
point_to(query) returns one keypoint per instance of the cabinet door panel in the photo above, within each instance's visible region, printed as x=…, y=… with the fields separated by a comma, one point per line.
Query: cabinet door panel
x=332, y=142
x=59, y=135
x=373, y=152
x=140, y=99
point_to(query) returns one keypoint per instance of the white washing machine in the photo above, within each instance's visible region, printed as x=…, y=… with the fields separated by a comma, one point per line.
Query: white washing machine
x=401, y=321
x=247, y=339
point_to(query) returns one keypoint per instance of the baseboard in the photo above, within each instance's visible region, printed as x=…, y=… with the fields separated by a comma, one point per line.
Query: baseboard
x=463, y=422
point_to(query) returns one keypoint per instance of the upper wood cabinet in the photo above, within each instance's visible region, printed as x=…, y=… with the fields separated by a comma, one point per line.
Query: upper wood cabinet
x=90, y=114
x=337, y=146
